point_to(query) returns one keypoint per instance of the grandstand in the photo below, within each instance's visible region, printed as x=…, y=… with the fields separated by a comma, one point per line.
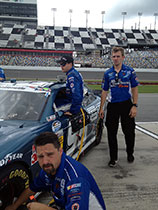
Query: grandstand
x=41, y=46
x=76, y=39
x=23, y=43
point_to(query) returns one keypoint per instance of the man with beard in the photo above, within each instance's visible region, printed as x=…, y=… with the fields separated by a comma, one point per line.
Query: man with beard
x=71, y=184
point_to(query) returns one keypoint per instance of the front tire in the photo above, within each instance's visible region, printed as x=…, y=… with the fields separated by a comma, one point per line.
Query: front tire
x=14, y=179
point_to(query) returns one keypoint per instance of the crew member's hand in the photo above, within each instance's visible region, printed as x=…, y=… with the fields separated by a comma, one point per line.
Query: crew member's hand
x=133, y=112
x=68, y=113
x=101, y=114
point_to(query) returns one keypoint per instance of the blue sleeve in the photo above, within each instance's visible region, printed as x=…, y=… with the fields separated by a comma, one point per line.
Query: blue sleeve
x=76, y=87
x=134, y=79
x=77, y=194
x=39, y=184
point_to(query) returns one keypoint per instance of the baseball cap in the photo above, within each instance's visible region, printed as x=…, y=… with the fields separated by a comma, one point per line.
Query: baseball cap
x=65, y=59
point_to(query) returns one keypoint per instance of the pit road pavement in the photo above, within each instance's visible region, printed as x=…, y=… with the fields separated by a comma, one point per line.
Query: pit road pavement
x=127, y=186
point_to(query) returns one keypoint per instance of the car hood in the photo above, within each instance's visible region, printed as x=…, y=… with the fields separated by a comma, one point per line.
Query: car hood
x=15, y=135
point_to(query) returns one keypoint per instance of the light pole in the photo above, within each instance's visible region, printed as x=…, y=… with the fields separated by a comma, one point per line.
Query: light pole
x=123, y=14
x=87, y=13
x=155, y=14
x=139, y=15
x=54, y=10
x=70, y=11
x=103, y=13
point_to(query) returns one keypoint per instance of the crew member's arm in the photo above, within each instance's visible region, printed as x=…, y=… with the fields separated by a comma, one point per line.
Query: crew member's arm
x=76, y=86
x=103, y=99
x=133, y=110
x=22, y=198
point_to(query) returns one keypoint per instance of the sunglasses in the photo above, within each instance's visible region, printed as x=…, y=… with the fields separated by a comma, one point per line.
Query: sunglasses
x=63, y=64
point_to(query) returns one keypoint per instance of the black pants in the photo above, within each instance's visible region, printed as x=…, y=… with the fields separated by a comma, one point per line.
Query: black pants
x=116, y=111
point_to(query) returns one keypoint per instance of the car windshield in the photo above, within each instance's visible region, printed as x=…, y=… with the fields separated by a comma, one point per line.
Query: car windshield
x=19, y=105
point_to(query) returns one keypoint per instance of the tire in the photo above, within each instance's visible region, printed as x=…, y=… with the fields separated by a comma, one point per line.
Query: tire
x=14, y=179
x=99, y=131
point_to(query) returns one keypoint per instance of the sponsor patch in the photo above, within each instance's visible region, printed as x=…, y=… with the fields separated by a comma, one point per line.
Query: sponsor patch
x=75, y=198
x=56, y=125
x=72, y=85
x=73, y=186
x=51, y=118
x=9, y=157
x=75, y=206
x=33, y=156
x=71, y=79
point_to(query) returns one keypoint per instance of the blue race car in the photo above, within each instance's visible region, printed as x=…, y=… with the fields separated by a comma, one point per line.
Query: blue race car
x=29, y=108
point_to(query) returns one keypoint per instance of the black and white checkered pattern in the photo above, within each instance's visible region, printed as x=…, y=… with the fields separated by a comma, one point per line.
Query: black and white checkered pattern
x=49, y=37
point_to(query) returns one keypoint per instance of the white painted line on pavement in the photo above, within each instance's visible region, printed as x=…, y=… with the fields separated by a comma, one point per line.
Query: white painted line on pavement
x=149, y=133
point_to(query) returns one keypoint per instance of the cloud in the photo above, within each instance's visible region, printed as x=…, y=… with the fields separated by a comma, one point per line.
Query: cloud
x=132, y=7
x=112, y=18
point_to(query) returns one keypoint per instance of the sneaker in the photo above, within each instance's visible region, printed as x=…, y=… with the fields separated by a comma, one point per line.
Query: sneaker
x=112, y=163
x=130, y=158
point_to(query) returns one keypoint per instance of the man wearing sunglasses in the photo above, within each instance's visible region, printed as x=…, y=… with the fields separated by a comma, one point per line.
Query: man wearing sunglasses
x=119, y=87
x=74, y=84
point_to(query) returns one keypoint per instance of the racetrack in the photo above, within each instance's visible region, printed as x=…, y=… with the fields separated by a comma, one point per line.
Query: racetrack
x=87, y=74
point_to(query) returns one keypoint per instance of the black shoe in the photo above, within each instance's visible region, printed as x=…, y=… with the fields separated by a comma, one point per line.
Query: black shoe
x=112, y=163
x=130, y=158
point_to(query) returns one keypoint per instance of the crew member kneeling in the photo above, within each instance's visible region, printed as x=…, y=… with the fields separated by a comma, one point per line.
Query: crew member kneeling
x=72, y=185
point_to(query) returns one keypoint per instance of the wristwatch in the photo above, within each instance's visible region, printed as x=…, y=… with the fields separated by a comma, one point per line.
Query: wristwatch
x=136, y=105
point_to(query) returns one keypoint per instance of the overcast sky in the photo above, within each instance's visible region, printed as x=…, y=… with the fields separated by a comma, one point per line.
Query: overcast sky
x=113, y=17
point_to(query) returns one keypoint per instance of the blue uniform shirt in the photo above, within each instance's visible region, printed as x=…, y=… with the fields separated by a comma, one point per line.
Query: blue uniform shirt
x=74, y=90
x=72, y=187
x=2, y=75
x=119, y=84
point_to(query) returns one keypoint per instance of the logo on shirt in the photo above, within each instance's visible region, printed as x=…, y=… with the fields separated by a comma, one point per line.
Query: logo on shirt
x=62, y=185
x=73, y=186
x=75, y=206
x=71, y=85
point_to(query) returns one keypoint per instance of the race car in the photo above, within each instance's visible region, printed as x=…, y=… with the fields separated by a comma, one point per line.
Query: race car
x=28, y=108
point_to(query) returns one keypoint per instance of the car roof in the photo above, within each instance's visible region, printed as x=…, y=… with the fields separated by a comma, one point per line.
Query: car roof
x=27, y=86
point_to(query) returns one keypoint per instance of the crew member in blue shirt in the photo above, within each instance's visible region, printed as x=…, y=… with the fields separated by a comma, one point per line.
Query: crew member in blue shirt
x=2, y=75
x=74, y=84
x=119, y=88
x=71, y=184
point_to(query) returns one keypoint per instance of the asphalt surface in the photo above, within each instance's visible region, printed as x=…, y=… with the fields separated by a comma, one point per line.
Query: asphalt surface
x=87, y=74
x=147, y=110
x=127, y=186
